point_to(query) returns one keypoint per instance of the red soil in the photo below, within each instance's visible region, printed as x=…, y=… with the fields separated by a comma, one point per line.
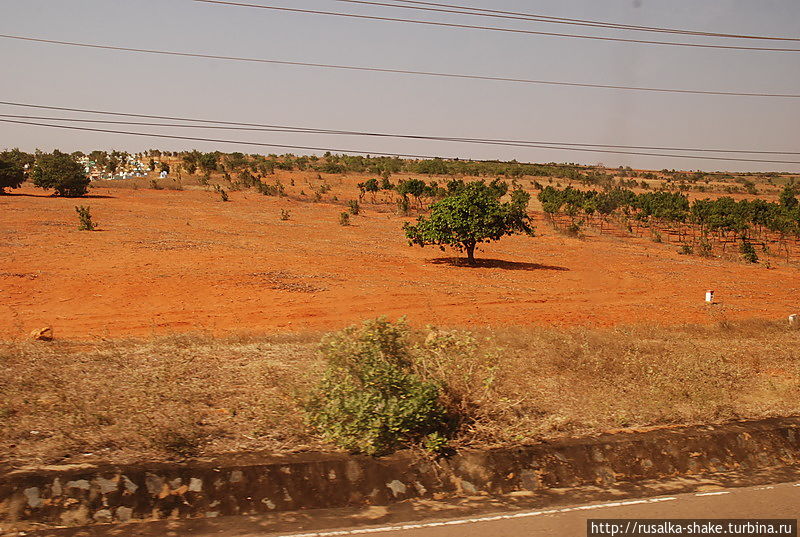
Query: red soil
x=172, y=261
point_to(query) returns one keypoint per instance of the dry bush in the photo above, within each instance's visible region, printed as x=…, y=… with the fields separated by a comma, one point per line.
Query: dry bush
x=582, y=381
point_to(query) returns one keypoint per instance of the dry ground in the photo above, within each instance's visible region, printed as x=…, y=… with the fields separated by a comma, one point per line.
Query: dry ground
x=189, y=395
x=167, y=261
x=227, y=302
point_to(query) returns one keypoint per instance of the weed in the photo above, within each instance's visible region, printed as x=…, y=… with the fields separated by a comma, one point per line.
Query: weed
x=354, y=207
x=344, y=219
x=85, y=218
x=285, y=215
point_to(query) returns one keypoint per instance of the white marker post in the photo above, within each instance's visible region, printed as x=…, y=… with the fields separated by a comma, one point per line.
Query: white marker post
x=710, y=296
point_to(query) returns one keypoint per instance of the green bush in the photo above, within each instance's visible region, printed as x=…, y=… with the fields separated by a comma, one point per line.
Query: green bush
x=354, y=207
x=85, y=218
x=344, y=219
x=748, y=252
x=369, y=400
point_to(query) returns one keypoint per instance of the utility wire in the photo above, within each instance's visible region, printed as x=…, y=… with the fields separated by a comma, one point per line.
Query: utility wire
x=310, y=130
x=309, y=148
x=491, y=28
x=397, y=71
x=533, y=17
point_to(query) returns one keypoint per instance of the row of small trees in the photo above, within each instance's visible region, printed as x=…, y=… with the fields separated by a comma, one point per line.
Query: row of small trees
x=721, y=217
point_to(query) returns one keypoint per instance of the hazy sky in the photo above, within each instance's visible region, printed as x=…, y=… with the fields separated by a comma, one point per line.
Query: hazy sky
x=139, y=83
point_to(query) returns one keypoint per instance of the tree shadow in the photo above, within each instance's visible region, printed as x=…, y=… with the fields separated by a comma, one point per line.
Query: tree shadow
x=46, y=195
x=492, y=263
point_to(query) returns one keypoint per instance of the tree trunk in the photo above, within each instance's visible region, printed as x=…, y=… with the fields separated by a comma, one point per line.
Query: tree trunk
x=470, y=248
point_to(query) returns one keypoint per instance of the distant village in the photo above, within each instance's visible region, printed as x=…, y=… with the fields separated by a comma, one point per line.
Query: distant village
x=101, y=166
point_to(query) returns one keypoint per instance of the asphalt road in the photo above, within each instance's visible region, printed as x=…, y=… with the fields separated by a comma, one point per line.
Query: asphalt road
x=770, y=501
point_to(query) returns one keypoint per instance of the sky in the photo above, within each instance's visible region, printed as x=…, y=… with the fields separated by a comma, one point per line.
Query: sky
x=55, y=75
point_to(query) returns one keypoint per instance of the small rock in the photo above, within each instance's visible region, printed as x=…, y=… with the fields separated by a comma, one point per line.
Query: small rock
x=42, y=334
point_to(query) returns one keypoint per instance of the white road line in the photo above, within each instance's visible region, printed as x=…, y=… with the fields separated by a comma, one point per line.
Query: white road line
x=462, y=521
x=720, y=493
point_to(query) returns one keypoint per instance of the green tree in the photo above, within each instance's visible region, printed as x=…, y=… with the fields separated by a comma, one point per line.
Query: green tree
x=60, y=172
x=469, y=217
x=372, y=187
x=788, y=197
x=11, y=174
x=20, y=158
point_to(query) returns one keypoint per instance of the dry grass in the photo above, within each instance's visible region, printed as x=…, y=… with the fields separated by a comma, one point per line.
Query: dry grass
x=191, y=395
x=179, y=396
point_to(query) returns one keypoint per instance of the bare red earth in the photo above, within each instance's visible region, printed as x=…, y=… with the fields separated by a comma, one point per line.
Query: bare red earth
x=174, y=261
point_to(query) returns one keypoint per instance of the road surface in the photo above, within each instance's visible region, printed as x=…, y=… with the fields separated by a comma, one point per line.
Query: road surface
x=771, y=501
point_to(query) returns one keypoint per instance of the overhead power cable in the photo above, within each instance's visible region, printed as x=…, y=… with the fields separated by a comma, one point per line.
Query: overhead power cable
x=400, y=71
x=228, y=125
x=491, y=28
x=407, y=155
x=534, y=17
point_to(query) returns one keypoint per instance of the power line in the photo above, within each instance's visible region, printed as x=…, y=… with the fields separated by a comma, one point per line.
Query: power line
x=407, y=155
x=491, y=28
x=397, y=71
x=226, y=125
x=533, y=17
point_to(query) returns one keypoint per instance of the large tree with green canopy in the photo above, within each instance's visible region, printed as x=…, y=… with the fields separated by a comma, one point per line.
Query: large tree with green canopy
x=472, y=215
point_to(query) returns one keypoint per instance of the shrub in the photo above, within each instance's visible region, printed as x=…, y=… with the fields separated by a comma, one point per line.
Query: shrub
x=403, y=205
x=465, y=370
x=748, y=252
x=573, y=230
x=344, y=219
x=60, y=172
x=656, y=236
x=354, y=207
x=285, y=215
x=704, y=248
x=154, y=184
x=85, y=219
x=369, y=399
x=222, y=194
x=686, y=249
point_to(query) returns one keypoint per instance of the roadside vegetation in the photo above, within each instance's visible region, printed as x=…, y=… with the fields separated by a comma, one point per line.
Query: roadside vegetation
x=189, y=395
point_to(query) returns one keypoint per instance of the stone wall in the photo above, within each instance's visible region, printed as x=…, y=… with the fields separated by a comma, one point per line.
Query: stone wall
x=253, y=483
